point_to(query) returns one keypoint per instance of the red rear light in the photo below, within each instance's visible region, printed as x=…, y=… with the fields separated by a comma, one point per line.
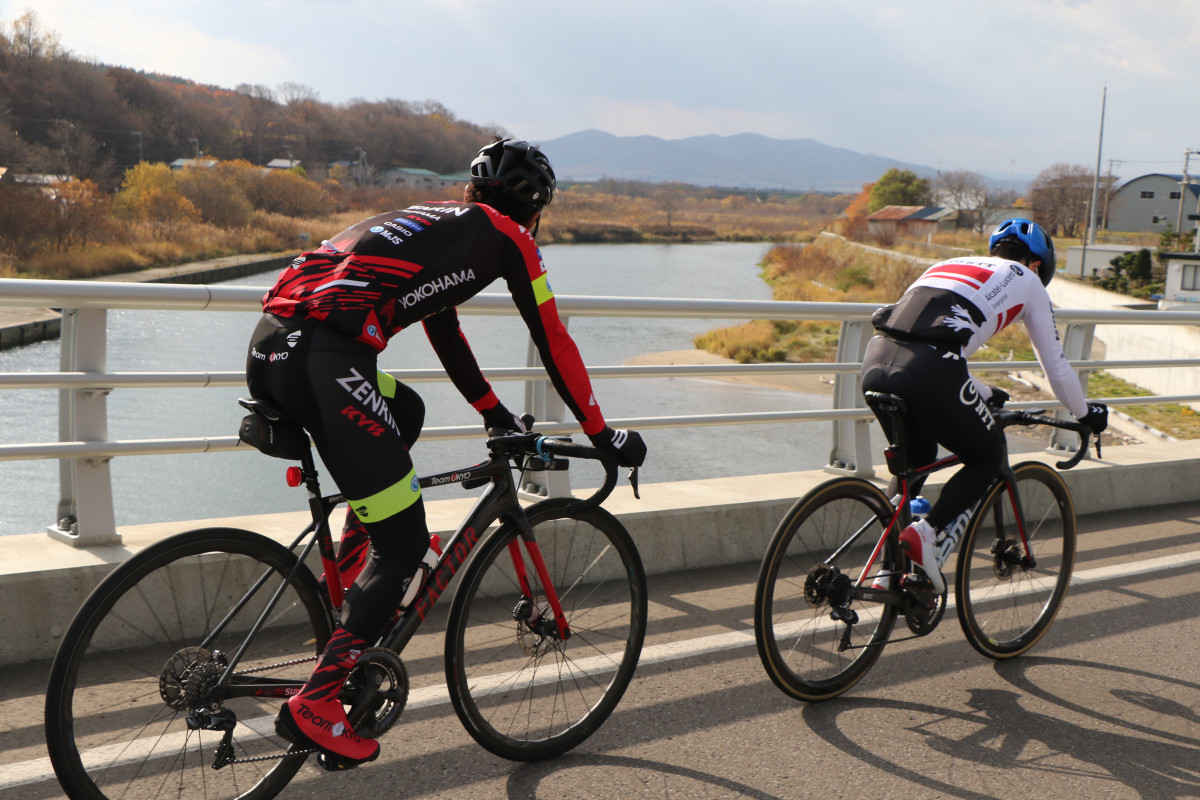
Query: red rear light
x=295, y=476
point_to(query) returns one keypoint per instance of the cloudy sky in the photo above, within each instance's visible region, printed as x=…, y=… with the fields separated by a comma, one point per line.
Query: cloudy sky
x=1005, y=88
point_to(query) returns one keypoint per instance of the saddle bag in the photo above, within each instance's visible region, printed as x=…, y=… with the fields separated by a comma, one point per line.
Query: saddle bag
x=277, y=438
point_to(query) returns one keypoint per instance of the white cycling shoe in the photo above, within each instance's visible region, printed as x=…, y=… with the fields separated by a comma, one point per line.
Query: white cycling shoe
x=919, y=540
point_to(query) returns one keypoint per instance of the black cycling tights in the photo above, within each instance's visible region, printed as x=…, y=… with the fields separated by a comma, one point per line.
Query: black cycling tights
x=362, y=423
x=944, y=408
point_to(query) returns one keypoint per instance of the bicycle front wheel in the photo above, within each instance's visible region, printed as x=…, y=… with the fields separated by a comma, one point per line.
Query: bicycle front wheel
x=811, y=566
x=523, y=690
x=1005, y=601
x=148, y=650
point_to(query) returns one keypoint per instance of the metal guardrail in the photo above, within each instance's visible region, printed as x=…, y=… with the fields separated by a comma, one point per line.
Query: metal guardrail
x=85, y=506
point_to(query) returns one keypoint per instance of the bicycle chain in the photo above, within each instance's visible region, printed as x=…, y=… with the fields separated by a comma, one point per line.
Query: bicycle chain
x=274, y=757
x=278, y=756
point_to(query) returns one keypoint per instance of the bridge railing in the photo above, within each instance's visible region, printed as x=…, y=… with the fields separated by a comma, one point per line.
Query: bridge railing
x=84, y=450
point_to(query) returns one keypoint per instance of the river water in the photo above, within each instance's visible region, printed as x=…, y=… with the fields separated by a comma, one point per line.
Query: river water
x=180, y=487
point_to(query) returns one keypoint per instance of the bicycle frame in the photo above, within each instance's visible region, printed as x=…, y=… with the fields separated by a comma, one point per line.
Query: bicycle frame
x=897, y=463
x=497, y=502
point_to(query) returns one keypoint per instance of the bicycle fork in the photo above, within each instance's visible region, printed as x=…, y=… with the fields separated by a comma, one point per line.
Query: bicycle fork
x=527, y=610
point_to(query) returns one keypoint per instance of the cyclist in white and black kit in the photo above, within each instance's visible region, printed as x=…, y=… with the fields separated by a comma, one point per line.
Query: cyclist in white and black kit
x=920, y=354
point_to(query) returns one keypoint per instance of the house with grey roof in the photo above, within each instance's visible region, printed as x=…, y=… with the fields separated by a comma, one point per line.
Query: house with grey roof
x=1153, y=203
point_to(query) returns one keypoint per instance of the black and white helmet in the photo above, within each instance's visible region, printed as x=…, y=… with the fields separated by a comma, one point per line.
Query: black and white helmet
x=516, y=168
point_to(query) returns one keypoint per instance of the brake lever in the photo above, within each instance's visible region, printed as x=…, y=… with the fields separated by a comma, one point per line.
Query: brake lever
x=633, y=481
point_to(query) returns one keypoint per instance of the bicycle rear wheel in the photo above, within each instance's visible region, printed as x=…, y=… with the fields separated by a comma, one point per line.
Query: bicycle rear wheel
x=141, y=656
x=813, y=559
x=1005, y=604
x=520, y=689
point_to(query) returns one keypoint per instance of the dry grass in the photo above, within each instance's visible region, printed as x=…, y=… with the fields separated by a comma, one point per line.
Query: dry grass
x=579, y=215
x=825, y=271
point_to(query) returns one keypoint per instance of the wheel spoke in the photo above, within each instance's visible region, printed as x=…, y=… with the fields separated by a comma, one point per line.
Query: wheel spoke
x=1005, y=608
x=521, y=691
x=131, y=670
x=814, y=559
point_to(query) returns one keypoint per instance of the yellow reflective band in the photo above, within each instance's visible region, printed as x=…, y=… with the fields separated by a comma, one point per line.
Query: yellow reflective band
x=541, y=290
x=387, y=384
x=390, y=501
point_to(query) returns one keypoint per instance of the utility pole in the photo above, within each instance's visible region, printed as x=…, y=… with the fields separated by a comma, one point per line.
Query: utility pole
x=1183, y=190
x=1090, y=238
x=1108, y=190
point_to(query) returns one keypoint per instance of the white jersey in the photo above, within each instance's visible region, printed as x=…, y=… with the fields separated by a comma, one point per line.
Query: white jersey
x=964, y=302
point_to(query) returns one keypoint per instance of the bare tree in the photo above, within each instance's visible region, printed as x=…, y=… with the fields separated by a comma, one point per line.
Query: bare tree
x=965, y=191
x=259, y=111
x=669, y=198
x=31, y=43
x=291, y=93
x=1060, y=195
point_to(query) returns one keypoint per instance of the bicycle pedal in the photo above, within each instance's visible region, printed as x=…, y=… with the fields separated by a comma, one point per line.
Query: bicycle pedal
x=335, y=763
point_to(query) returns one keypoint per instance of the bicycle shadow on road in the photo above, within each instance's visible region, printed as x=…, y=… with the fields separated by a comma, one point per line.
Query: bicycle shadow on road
x=1149, y=739
x=602, y=777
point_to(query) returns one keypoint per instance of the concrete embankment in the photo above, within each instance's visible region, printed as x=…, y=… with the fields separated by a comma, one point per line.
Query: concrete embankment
x=21, y=326
x=677, y=526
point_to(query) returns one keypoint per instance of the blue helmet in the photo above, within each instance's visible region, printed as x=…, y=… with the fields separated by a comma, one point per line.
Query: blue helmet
x=1035, y=239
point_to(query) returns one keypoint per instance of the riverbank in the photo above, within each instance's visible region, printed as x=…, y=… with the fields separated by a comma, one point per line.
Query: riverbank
x=22, y=326
x=809, y=384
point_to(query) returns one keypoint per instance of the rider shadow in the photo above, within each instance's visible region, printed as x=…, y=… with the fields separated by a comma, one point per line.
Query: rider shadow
x=602, y=777
x=1146, y=703
x=1012, y=737
x=999, y=733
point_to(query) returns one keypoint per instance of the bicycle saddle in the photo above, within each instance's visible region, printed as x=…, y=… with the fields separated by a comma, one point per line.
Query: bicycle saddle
x=888, y=403
x=268, y=430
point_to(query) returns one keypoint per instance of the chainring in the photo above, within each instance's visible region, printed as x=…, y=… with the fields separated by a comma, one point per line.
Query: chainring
x=376, y=691
x=923, y=610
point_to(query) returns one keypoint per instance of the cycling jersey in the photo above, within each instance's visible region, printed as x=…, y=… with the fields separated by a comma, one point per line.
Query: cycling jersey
x=961, y=303
x=385, y=273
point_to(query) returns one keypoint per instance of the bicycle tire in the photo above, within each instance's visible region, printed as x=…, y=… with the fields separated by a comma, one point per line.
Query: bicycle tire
x=1004, y=608
x=798, y=642
x=526, y=694
x=129, y=670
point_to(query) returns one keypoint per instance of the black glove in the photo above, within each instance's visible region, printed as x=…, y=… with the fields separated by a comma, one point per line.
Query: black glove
x=500, y=419
x=998, y=399
x=1096, y=417
x=627, y=446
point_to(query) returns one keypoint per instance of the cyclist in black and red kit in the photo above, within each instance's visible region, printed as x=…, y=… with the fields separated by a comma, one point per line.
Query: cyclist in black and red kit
x=314, y=353
x=920, y=354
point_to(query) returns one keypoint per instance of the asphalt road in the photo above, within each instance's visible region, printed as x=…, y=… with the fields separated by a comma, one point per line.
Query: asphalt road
x=1106, y=706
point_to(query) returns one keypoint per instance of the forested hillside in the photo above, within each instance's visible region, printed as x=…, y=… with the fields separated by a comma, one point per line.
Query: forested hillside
x=60, y=114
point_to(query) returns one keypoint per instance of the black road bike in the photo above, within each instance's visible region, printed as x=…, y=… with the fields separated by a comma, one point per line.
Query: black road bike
x=821, y=621
x=169, y=677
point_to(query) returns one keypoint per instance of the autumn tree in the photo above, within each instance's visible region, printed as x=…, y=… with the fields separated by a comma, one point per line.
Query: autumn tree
x=150, y=194
x=899, y=187
x=287, y=192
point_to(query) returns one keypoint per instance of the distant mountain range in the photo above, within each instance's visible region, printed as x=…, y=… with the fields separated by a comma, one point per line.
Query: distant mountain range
x=746, y=161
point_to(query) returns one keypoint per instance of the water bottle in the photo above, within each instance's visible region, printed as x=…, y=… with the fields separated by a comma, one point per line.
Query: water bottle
x=919, y=507
x=427, y=565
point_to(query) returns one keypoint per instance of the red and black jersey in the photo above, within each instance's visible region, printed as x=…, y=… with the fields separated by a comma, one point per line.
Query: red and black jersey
x=385, y=273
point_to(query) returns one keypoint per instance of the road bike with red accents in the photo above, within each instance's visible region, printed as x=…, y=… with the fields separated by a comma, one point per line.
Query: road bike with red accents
x=835, y=578
x=168, y=680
